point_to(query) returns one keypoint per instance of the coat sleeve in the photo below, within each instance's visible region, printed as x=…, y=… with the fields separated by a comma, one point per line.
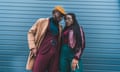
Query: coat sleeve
x=72, y=42
x=80, y=52
x=71, y=39
x=31, y=35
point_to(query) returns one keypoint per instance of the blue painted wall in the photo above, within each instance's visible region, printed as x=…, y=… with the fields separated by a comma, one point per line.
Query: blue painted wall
x=100, y=19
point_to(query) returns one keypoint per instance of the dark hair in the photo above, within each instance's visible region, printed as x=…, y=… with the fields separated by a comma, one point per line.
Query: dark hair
x=76, y=31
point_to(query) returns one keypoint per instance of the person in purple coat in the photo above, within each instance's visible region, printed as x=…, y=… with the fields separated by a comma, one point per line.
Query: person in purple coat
x=73, y=44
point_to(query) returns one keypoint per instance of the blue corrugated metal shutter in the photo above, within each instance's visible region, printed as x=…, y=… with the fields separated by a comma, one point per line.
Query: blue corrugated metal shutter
x=100, y=19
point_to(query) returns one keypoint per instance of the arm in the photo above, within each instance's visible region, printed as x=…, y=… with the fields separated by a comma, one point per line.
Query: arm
x=79, y=53
x=72, y=43
x=31, y=35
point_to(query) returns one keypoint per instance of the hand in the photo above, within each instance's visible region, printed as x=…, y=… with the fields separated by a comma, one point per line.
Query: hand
x=34, y=51
x=74, y=64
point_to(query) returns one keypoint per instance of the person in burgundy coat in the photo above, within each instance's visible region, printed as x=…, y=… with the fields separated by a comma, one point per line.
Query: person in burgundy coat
x=44, y=40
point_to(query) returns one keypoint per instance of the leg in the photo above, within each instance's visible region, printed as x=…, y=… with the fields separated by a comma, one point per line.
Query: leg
x=41, y=63
x=64, y=65
x=54, y=63
x=64, y=61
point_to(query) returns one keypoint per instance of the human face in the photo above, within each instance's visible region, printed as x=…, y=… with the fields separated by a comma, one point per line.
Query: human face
x=68, y=20
x=57, y=16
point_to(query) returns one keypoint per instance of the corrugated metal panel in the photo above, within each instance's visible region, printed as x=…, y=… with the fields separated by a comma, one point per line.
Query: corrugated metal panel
x=100, y=19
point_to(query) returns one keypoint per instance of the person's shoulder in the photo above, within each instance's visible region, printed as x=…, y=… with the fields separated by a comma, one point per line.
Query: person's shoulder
x=81, y=27
x=60, y=25
x=40, y=21
x=43, y=19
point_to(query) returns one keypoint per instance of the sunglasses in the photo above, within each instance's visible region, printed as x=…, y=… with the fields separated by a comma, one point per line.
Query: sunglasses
x=58, y=13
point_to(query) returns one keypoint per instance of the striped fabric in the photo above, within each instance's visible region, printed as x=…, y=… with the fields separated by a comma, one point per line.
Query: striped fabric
x=99, y=18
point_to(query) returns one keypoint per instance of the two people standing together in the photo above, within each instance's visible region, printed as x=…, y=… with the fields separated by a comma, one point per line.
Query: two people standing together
x=53, y=49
